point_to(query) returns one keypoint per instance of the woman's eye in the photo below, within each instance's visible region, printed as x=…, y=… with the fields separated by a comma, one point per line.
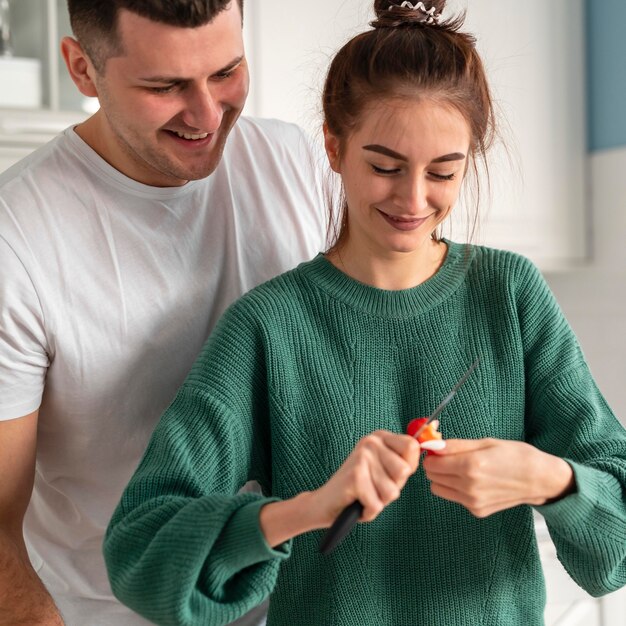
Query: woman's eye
x=384, y=172
x=443, y=176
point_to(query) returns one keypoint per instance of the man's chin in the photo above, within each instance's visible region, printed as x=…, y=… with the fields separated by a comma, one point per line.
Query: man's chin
x=202, y=172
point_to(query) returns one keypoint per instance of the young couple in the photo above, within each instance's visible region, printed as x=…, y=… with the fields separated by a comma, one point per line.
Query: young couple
x=149, y=222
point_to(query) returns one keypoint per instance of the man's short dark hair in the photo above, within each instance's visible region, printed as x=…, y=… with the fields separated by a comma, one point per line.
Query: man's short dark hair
x=94, y=22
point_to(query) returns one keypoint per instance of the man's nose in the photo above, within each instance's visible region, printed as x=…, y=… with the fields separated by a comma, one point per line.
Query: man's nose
x=203, y=111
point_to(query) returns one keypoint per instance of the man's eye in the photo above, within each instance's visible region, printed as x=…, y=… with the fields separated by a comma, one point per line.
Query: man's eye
x=167, y=89
x=224, y=75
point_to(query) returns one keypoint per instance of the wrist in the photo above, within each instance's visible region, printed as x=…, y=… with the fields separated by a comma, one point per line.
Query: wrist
x=281, y=521
x=554, y=479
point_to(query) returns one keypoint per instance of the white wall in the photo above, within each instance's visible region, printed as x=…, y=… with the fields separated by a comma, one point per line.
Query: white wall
x=289, y=47
x=594, y=297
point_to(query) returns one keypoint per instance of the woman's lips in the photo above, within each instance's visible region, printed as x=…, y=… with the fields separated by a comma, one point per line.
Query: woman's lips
x=403, y=223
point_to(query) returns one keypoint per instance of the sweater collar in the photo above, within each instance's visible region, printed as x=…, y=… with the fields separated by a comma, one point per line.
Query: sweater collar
x=386, y=303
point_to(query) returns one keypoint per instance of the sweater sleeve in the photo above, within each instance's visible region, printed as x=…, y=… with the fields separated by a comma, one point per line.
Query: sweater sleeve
x=184, y=546
x=567, y=416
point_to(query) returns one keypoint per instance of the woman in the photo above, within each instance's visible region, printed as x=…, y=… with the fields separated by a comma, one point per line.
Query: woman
x=309, y=381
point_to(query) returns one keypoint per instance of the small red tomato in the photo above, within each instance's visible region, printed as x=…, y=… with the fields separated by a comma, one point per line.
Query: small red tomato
x=428, y=434
x=415, y=425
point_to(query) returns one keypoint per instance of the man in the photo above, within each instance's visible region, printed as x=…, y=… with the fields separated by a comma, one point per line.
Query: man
x=121, y=243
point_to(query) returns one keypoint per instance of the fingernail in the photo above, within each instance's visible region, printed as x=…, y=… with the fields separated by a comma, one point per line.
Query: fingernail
x=434, y=444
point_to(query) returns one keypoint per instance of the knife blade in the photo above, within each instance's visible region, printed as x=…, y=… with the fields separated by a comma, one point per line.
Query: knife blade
x=442, y=405
x=350, y=515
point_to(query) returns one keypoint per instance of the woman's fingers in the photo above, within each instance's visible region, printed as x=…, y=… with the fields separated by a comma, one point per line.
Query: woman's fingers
x=490, y=475
x=382, y=471
x=475, y=505
x=375, y=472
x=406, y=447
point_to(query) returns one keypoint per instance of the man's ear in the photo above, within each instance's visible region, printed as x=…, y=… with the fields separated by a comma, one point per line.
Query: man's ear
x=331, y=143
x=79, y=66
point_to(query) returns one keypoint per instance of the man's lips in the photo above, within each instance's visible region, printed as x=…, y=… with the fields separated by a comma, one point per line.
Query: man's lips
x=193, y=136
x=190, y=139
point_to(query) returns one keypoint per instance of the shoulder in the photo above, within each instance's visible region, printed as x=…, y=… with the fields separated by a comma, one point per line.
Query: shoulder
x=499, y=259
x=260, y=317
x=32, y=189
x=268, y=128
x=37, y=159
x=45, y=166
x=270, y=136
x=278, y=298
x=276, y=168
x=502, y=265
x=506, y=277
x=501, y=277
x=280, y=293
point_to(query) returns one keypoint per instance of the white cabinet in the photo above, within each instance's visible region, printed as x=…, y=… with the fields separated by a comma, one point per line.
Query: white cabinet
x=534, y=53
x=37, y=27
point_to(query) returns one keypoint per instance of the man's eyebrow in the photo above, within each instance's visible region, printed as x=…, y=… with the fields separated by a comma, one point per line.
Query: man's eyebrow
x=179, y=79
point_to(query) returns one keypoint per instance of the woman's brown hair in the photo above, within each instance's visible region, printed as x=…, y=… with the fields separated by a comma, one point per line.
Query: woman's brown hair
x=409, y=53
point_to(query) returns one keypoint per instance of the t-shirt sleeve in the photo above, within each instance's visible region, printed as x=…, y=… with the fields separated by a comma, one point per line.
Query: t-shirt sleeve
x=23, y=346
x=567, y=416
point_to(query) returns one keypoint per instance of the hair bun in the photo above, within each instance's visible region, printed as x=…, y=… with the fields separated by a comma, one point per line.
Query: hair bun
x=405, y=13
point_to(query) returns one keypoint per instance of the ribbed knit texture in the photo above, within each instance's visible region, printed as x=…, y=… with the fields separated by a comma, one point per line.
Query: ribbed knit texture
x=300, y=369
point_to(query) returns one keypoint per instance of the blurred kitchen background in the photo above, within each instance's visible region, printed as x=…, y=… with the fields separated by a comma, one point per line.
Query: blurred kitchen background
x=558, y=71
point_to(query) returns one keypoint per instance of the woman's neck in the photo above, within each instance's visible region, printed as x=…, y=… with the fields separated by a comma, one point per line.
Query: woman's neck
x=393, y=272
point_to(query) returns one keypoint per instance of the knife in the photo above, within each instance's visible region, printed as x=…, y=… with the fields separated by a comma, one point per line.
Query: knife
x=442, y=405
x=351, y=514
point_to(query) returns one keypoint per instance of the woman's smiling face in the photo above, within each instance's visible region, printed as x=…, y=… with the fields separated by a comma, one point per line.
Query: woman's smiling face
x=402, y=169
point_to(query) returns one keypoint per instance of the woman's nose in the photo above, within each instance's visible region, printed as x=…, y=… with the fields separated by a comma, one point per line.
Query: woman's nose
x=414, y=195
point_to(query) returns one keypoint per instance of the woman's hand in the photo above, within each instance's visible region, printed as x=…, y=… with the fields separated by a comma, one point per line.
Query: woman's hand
x=374, y=473
x=490, y=475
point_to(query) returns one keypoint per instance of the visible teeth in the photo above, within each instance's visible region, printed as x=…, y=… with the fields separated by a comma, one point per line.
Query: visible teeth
x=190, y=136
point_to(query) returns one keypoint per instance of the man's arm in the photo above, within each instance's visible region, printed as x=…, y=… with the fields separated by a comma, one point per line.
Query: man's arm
x=23, y=597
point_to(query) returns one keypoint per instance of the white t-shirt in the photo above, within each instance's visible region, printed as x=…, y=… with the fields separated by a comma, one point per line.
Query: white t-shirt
x=108, y=289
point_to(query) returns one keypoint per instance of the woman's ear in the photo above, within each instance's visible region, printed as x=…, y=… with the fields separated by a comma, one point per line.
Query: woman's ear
x=331, y=143
x=79, y=66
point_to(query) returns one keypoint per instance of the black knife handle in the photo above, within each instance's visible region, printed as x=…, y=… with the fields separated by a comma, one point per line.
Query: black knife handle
x=341, y=527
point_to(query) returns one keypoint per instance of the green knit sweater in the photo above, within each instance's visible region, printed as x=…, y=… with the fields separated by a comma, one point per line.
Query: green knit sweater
x=301, y=368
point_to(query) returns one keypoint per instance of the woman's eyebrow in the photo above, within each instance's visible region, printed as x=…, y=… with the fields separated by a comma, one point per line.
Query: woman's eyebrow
x=386, y=151
x=453, y=156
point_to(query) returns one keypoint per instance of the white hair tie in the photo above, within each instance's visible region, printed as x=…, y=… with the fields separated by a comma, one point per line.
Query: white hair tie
x=430, y=17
